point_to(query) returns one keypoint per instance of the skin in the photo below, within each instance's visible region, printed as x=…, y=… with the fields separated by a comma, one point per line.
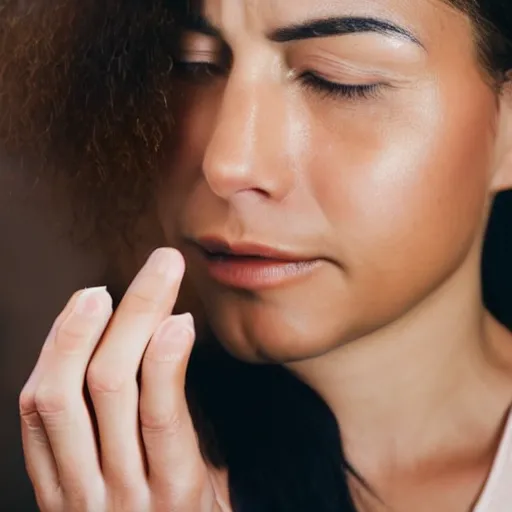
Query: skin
x=391, y=192
x=251, y=170
x=149, y=458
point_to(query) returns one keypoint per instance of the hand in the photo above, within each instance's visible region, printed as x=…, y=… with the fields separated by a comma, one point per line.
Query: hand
x=132, y=450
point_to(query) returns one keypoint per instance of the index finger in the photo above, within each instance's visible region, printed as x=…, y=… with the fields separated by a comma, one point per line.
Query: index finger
x=149, y=299
x=112, y=375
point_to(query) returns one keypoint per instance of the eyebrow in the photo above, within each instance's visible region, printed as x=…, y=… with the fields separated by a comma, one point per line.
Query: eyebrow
x=334, y=26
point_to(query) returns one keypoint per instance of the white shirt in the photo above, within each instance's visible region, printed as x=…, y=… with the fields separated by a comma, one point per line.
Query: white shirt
x=497, y=493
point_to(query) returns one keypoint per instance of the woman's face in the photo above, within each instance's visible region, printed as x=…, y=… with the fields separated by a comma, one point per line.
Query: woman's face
x=354, y=140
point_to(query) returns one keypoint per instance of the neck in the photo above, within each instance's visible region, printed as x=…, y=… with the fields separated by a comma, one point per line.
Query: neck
x=402, y=393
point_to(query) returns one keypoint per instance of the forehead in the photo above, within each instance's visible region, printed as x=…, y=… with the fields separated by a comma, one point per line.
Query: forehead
x=445, y=32
x=421, y=17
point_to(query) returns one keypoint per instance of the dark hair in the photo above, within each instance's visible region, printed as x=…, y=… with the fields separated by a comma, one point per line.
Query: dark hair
x=84, y=89
x=492, y=20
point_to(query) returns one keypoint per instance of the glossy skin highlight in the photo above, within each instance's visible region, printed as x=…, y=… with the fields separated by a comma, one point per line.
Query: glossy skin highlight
x=389, y=189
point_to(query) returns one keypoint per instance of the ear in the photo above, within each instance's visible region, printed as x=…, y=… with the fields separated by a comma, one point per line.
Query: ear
x=502, y=169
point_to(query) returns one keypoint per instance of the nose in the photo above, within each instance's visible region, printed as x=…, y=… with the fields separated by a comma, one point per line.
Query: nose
x=247, y=150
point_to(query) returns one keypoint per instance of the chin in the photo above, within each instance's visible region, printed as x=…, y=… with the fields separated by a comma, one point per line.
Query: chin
x=266, y=333
x=281, y=346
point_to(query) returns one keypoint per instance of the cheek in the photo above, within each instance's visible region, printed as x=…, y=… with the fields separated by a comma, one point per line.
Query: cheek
x=194, y=114
x=410, y=188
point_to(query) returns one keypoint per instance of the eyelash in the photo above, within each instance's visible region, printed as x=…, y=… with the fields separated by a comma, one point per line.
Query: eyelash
x=198, y=70
x=333, y=89
x=309, y=79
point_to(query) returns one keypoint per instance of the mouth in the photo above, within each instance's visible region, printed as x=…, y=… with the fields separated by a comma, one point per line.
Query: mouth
x=251, y=266
x=220, y=249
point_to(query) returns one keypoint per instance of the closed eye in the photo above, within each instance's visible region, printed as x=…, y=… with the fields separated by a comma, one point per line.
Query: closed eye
x=197, y=71
x=204, y=71
x=319, y=84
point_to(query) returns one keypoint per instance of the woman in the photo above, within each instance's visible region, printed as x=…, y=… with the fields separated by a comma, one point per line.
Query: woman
x=332, y=179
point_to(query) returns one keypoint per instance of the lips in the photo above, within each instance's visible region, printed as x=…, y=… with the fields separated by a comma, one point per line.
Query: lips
x=251, y=266
x=220, y=249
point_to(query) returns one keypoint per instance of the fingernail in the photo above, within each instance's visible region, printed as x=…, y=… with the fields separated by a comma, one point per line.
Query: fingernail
x=186, y=320
x=176, y=327
x=89, y=302
x=172, y=340
x=165, y=262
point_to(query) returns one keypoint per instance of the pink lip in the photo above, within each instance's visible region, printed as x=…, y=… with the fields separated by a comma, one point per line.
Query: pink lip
x=252, y=266
x=218, y=245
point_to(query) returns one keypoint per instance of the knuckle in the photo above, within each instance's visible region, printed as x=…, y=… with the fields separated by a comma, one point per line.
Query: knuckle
x=51, y=401
x=26, y=402
x=155, y=422
x=28, y=410
x=102, y=380
x=71, y=333
x=142, y=299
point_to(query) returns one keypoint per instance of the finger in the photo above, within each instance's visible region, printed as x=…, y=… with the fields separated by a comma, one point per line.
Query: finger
x=36, y=372
x=59, y=398
x=39, y=459
x=176, y=468
x=112, y=376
